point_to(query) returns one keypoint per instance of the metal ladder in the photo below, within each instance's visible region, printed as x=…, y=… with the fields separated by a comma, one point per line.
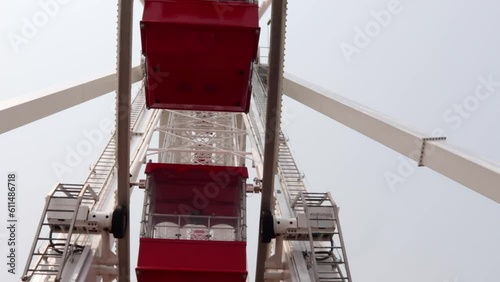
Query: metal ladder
x=291, y=177
x=104, y=167
x=259, y=96
x=328, y=263
x=48, y=258
x=47, y=261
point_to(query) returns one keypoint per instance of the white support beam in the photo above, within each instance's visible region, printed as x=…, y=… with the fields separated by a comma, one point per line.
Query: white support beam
x=440, y=156
x=21, y=111
x=273, y=116
x=123, y=112
x=264, y=5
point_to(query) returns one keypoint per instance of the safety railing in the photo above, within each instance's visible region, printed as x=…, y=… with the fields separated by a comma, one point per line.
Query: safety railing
x=193, y=227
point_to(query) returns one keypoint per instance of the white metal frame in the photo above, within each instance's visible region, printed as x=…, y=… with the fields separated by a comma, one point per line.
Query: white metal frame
x=207, y=138
x=479, y=175
x=435, y=153
x=24, y=110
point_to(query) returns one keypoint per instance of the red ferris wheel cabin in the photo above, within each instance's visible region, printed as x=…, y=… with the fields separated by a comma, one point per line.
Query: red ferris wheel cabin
x=199, y=53
x=194, y=224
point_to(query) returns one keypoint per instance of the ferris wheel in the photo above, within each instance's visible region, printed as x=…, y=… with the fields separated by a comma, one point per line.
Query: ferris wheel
x=212, y=99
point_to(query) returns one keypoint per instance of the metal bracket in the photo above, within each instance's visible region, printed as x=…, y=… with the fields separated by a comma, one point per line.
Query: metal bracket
x=255, y=188
x=141, y=184
x=251, y=188
x=422, y=148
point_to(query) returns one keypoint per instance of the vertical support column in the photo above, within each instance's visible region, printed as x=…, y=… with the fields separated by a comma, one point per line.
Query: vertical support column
x=341, y=238
x=243, y=213
x=314, y=267
x=125, y=12
x=242, y=139
x=273, y=116
x=164, y=116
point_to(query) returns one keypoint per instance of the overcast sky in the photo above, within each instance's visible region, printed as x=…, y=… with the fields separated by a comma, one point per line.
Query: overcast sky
x=418, y=61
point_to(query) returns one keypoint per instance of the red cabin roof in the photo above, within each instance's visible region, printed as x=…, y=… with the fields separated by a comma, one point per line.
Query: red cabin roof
x=199, y=54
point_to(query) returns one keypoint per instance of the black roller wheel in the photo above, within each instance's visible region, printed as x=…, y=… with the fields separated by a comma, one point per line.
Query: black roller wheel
x=119, y=222
x=267, y=227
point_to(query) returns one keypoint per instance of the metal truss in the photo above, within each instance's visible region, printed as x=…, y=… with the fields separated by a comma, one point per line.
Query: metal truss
x=285, y=260
x=433, y=152
x=220, y=139
x=95, y=257
x=202, y=138
x=24, y=110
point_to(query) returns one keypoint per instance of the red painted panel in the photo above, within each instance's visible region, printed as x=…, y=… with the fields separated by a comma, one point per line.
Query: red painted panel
x=210, y=170
x=197, y=189
x=199, y=54
x=191, y=261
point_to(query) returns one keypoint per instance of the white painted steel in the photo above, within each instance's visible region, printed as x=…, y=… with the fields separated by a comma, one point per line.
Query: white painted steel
x=100, y=261
x=24, y=110
x=477, y=174
x=264, y=6
x=205, y=138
